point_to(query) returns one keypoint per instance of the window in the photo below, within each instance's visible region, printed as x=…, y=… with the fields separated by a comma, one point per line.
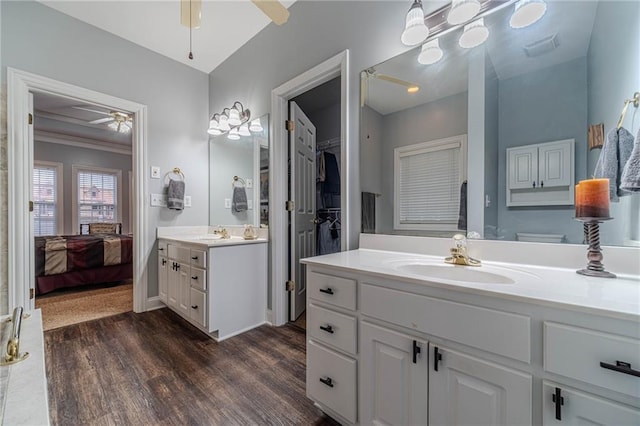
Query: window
x=47, y=198
x=427, y=180
x=97, y=195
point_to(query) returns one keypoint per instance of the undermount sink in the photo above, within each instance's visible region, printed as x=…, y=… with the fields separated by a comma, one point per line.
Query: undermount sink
x=454, y=273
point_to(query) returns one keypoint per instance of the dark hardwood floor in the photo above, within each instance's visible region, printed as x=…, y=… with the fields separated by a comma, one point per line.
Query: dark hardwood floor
x=155, y=368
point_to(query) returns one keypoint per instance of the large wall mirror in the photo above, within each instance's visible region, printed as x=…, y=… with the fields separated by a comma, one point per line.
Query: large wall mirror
x=246, y=156
x=432, y=132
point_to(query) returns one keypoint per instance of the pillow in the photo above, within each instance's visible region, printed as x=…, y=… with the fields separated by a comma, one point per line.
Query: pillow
x=104, y=228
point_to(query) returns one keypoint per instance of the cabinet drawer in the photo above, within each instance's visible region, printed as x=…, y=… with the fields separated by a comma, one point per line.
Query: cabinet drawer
x=198, y=307
x=331, y=289
x=498, y=332
x=577, y=353
x=198, y=258
x=332, y=328
x=331, y=380
x=181, y=254
x=198, y=279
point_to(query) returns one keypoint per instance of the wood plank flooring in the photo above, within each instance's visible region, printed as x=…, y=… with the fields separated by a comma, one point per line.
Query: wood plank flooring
x=155, y=368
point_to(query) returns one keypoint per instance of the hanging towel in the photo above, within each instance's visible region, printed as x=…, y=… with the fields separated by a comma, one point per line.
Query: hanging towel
x=615, y=153
x=239, y=200
x=368, y=213
x=630, y=179
x=462, y=216
x=175, y=194
x=321, y=174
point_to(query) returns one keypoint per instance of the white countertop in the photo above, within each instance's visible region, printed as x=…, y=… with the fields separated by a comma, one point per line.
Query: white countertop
x=619, y=297
x=204, y=242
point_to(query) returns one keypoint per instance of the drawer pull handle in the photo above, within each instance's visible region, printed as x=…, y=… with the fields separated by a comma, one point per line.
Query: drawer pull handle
x=327, y=290
x=161, y=249
x=164, y=262
x=327, y=381
x=559, y=401
x=194, y=306
x=328, y=328
x=194, y=278
x=437, y=357
x=621, y=367
x=194, y=257
x=416, y=351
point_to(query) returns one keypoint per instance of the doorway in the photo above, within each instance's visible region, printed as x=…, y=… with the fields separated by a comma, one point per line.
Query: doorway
x=21, y=86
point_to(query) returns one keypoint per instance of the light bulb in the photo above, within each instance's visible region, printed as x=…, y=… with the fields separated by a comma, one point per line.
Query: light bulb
x=462, y=11
x=527, y=12
x=234, y=117
x=474, y=34
x=431, y=53
x=256, y=126
x=415, y=30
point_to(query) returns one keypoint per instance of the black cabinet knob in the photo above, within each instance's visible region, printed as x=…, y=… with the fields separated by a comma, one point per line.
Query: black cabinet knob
x=194, y=278
x=194, y=257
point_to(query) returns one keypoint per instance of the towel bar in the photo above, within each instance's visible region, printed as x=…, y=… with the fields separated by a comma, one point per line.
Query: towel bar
x=238, y=179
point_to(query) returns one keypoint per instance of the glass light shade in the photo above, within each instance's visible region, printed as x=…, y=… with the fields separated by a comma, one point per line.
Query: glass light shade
x=113, y=126
x=415, y=30
x=474, y=34
x=234, y=117
x=214, y=132
x=462, y=11
x=244, y=130
x=256, y=126
x=213, y=124
x=527, y=12
x=234, y=135
x=123, y=128
x=431, y=53
x=223, y=123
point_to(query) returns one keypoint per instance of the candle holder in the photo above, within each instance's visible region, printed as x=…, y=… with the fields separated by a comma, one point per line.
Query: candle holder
x=594, y=268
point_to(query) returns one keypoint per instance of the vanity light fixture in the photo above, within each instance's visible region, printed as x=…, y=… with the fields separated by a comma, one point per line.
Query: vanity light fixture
x=415, y=30
x=462, y=11
x=430, y=53
x=527, y=12
x=234, y=134
x=232, y=120
x=243, y=130
x=474, y=34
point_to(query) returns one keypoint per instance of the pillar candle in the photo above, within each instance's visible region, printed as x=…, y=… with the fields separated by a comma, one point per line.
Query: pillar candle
x=592, y=198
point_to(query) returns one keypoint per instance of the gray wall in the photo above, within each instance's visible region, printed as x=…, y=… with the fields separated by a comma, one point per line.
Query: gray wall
x=491, y=135
x=316, y=31
x=615, y=40
x=436, y=120
x=69, y=156
x=371, y=157
x=43, y=41
x=543, y=106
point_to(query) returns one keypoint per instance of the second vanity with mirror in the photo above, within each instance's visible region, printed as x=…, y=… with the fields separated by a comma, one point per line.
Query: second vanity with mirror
x=401, y=337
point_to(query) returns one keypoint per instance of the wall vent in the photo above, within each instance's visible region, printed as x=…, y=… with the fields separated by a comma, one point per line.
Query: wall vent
x=542, y=46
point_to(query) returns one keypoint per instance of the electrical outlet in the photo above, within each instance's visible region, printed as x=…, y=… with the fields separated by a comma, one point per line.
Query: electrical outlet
x=227, y=203
x=249, y=183
x=155, y=172
x=187, y=200
x=250, y=204
x=158, y=200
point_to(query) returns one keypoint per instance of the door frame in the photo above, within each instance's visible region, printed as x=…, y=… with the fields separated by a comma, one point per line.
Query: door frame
x=21, y=276
x=336, y=66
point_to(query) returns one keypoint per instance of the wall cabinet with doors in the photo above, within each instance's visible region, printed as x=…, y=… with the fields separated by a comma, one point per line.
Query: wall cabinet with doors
x=438, y=357
x=541, y=174
x=220, y=289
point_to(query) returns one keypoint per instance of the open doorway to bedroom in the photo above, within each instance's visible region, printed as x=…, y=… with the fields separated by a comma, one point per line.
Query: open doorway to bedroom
x=82, y=210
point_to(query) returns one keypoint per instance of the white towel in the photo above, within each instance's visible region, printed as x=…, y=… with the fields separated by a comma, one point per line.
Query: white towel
x=630, y=180
x=615, y=153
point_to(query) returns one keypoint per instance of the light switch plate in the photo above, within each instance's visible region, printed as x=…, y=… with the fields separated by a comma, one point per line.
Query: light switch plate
x=187, y=200
x=158, y=200
x=227, y=203
x=250, y=204
x=155, y=172
x=249, y=183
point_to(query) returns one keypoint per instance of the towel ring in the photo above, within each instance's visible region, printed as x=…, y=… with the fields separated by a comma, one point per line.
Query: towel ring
x=635, y=101
x=237, y=179
x=175, y=171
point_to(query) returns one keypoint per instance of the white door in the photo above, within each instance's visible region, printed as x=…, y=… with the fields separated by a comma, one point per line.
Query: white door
x=32, y=261
x=555, y=164
x=564, y=406
x=394, y=378
x=522, y=163
x=302, y=185
x=163, y=270
x=464, y=390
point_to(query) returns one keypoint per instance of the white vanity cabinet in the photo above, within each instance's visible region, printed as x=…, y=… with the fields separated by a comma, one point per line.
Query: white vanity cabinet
x=163, y=271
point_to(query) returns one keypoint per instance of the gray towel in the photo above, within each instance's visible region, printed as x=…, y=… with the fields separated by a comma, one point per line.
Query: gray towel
x=615, y=153
x=239, y=200
x=630, y=180
x=175, y=194
x=368, y=213
x=462, y=215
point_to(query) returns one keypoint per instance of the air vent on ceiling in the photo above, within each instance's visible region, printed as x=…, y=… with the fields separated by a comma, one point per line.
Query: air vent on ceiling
x=542, y=46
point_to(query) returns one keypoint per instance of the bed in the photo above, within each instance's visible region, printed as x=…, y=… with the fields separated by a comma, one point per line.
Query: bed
x=76, y=260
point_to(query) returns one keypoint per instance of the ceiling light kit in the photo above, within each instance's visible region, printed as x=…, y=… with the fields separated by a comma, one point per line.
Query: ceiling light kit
x=234, y=122
x=471, y=13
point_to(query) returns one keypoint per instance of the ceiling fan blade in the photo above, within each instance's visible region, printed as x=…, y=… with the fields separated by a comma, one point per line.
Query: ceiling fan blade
x=391, y=79
x=91, y=110
x=196, y=13
x=274, y=10
x=101, y=120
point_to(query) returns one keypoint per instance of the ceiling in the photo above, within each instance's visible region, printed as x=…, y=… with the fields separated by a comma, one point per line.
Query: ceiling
x=155, y=24
x=504, y=47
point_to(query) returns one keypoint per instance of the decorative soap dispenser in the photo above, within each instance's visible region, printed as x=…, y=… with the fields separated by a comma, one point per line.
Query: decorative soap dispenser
x=250, y=232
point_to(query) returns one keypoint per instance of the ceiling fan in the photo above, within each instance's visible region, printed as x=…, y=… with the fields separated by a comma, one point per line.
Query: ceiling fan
x=272, y=8
x=118, y=121
x=372, y=73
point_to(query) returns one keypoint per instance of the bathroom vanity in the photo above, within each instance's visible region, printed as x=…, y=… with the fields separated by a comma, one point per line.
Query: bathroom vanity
x=403, y=338
x=218, y=285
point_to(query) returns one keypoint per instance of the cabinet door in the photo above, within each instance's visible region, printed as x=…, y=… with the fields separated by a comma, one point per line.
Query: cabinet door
x=522, y=166
x=198, y=307
x=577, y=408
x=465, y=390
x=394, y=387
x=163, y=271
x=173, y=283
x=184, y=293
x=554, y=164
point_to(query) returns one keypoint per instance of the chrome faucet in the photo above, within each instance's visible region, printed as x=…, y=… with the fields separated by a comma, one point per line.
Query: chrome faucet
x=459, y=254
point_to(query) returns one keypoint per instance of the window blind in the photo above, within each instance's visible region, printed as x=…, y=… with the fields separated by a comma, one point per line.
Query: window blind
x=45, y=197
x=97, y=197
x=429, y=185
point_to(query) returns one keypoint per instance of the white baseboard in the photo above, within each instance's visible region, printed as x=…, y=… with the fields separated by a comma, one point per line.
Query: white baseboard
x=269, y=317
x=153, y=303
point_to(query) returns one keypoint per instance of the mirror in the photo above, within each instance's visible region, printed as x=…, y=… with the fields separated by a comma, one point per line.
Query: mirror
x=536, y=87
x=248, y=159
